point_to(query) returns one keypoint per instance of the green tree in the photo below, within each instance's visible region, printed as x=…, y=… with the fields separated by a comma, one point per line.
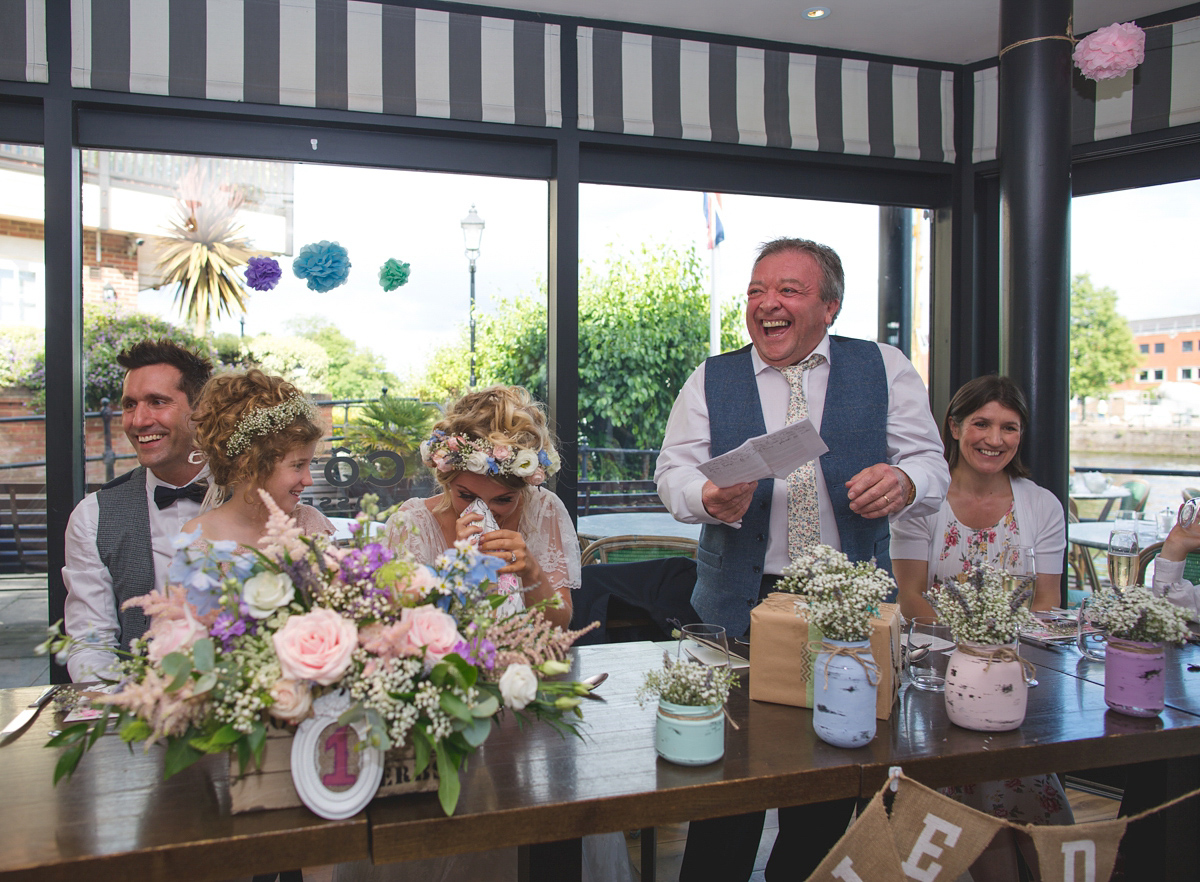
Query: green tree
x=354, y=371
x=299, y=361
x=392, y=423
x=643, y=328
x=1102, y=350
x=105, y=334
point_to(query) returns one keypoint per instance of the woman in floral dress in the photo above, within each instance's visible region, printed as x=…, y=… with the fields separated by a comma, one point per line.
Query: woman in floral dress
x=991, y=508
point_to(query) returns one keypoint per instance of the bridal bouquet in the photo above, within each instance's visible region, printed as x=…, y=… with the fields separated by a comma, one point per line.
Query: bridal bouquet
x=241, y=641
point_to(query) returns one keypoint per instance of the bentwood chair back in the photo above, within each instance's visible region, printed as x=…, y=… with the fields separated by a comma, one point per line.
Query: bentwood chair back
x=1191, y=564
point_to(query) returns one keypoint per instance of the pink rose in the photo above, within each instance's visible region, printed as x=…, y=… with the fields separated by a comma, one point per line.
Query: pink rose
x=316, y=646
x=173, y=635
x=418, y=583
x=537, y=478
x=432, y=630
x=387, y=641
x=501, y=452
x=452, y=442
x=1111, y=52
x=291, y=700
x=441, y=461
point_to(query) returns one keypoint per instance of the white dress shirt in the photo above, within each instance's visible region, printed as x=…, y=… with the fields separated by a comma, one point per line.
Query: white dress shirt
x=91, y=607
x=913, y=444
x=1169, y=583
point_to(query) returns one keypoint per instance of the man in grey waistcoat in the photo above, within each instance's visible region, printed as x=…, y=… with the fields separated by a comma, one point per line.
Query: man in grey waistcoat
x=119, y=539
x=884, y=461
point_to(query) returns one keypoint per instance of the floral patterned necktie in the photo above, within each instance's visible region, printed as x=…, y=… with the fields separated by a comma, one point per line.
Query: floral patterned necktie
x=804, y=525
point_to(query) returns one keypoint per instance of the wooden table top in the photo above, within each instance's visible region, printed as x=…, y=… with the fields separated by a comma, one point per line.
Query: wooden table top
x=117, y=819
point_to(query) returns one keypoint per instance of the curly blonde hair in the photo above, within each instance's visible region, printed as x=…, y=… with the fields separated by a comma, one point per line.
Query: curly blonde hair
x=506, y=415
x=225, y=401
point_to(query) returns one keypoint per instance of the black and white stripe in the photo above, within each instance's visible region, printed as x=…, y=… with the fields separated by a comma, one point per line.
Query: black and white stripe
x=646, y=85
x=1163, y=91
x=23, y=41
x=340, y=54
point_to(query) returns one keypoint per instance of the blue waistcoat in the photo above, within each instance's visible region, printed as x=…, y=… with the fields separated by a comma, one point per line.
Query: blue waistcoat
x=729, y=562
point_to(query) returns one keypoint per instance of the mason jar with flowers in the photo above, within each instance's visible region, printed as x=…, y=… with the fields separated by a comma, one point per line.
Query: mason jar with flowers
x=843, y=598
x=987, y=681
x=1138, y=624
x=690, y=724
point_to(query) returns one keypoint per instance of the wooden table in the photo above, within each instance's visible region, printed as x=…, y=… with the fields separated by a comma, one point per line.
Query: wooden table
x=117, y=820
x=599, y=526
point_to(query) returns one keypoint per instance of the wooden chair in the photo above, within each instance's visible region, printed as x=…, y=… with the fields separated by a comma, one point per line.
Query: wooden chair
x=1191, y=565
x=626, y=549
x=1189, y=492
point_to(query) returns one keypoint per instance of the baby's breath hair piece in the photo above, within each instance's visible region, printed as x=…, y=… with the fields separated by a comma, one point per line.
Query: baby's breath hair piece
x=266, y=420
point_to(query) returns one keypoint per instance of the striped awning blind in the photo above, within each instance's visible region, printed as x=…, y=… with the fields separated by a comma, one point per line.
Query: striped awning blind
x=23, y=41
x=340, y=54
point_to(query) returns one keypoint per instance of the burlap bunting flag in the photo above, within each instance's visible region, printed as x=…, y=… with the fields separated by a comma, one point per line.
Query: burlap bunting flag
x=937, y=837
x=1077, y=852
x=865, y=853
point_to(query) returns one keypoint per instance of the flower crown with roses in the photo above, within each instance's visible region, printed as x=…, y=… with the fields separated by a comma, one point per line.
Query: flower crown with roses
x=467, y=453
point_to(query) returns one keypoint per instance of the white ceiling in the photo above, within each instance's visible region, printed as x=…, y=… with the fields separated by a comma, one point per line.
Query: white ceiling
x=949, y=31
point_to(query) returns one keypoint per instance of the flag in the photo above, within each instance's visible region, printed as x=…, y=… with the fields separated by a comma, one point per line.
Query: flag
x=712, y=216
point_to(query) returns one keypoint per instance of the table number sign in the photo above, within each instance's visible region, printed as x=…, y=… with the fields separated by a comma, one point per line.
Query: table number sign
x=334, y=772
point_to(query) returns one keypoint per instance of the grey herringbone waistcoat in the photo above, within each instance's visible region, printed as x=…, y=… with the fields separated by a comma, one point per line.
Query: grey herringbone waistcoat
x=123, y=541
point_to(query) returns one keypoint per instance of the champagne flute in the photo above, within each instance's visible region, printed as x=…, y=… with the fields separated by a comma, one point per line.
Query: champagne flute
x=1123, y=550
x=706, y=644
x=1020, y=574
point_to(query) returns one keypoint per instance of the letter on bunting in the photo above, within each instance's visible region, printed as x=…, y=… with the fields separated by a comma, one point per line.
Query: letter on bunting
x=865, y=853
x=1077, y=853
x=937, y=849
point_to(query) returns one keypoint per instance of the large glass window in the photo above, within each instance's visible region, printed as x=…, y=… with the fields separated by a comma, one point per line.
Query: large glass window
x=651, y=289
x=1135, y=314
x=380, y=351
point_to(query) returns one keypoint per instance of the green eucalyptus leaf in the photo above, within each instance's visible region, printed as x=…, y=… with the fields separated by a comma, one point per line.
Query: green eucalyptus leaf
x=455, y=706
x=477, y=732
x=204, y=654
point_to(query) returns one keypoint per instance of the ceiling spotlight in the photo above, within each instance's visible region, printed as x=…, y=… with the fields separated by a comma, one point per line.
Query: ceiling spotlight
x=815, y=12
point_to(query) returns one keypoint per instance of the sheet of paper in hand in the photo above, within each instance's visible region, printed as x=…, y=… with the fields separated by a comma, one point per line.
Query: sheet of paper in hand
x=774, y=455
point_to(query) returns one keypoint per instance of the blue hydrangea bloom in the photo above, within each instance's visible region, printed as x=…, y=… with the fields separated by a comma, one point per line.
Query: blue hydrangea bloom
x=323, y=265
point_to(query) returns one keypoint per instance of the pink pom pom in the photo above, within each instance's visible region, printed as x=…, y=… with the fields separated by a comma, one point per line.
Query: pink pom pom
x=1111, y=52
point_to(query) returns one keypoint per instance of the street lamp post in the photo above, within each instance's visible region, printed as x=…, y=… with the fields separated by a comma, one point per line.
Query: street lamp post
x=472, y=227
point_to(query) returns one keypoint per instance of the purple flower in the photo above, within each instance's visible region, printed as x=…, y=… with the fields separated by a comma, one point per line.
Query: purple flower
x=226, y=627
x=262, y=273
x=323, y=265
x=478, y=651
x=362, y=563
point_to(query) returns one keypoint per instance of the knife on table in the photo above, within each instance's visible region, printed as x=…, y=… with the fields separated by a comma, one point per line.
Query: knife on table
x=25, y=717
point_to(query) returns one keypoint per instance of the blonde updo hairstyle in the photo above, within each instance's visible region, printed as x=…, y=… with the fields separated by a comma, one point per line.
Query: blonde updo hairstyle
x=506, y=415
x=224, y=402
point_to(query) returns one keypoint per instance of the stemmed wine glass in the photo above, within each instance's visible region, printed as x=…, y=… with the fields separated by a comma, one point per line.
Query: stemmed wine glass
x=1020, y=573
x=1123, y=550
x=706, y=644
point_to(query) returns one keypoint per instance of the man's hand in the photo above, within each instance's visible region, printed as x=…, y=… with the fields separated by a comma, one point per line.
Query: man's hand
x=878, y=491
x=727, y=504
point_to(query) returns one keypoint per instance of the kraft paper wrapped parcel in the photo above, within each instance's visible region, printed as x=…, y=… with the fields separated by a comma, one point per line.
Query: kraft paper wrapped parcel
x=783, y=656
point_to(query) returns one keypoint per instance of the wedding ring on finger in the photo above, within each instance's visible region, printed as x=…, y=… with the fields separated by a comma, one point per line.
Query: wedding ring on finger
x=885, y=499
x=512, y=557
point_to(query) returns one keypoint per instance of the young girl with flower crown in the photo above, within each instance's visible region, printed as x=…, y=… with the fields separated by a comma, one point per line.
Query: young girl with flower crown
x=494, y=445
x=257, y=432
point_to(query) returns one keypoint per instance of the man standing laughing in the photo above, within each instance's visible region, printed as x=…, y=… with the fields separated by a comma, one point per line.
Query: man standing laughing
x=119, y=539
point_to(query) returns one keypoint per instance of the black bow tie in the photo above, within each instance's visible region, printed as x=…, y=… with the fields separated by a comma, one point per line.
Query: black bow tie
x=164, y=496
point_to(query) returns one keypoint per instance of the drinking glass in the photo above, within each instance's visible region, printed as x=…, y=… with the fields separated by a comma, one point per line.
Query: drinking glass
x=1127, y=518
x=1123, y=550
x=1091, y=644
x=928, y=653
x=706, y=644
x=1020, y=570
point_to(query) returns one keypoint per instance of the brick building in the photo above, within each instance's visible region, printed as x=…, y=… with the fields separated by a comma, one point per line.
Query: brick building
x=1169, y=349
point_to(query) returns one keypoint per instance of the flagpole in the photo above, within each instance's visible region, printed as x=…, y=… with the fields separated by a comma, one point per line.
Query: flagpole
x=714, y=307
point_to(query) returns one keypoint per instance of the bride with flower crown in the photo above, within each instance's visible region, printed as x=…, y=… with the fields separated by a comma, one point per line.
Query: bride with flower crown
x=493, y=451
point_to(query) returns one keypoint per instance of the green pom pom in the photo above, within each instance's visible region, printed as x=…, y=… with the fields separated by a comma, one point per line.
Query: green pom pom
x=393, y=274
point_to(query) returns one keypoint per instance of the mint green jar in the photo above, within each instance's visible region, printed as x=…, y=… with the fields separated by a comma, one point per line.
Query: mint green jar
x=690, y=736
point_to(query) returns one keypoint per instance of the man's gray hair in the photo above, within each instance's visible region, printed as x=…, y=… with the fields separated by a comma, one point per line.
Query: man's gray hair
x=833, y=280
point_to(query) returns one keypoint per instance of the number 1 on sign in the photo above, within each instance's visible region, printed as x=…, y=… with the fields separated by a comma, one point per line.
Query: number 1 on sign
x=339, y=743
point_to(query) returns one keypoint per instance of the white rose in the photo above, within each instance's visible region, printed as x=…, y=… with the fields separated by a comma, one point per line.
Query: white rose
x=266, y=592
x=525, y=463
x=518, y=686
x=291, y=700
x=477, y=462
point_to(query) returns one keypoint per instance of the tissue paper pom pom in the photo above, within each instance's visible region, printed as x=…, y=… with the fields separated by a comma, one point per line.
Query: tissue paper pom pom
x=1111, y=52
x=324, y=265
x=263, y=273
x=393, y=274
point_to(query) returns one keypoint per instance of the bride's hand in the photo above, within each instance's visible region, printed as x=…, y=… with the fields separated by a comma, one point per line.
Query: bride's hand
x=468, y=525
x=509, y=546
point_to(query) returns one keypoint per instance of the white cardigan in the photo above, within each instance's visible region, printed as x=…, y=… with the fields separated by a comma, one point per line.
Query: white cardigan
x=1039, y=517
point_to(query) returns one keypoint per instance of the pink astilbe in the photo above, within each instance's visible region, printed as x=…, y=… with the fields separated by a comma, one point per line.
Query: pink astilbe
x=528, y=638
x=168, y=713
x=388, y=641
x=283, y=535
x=171, y=603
